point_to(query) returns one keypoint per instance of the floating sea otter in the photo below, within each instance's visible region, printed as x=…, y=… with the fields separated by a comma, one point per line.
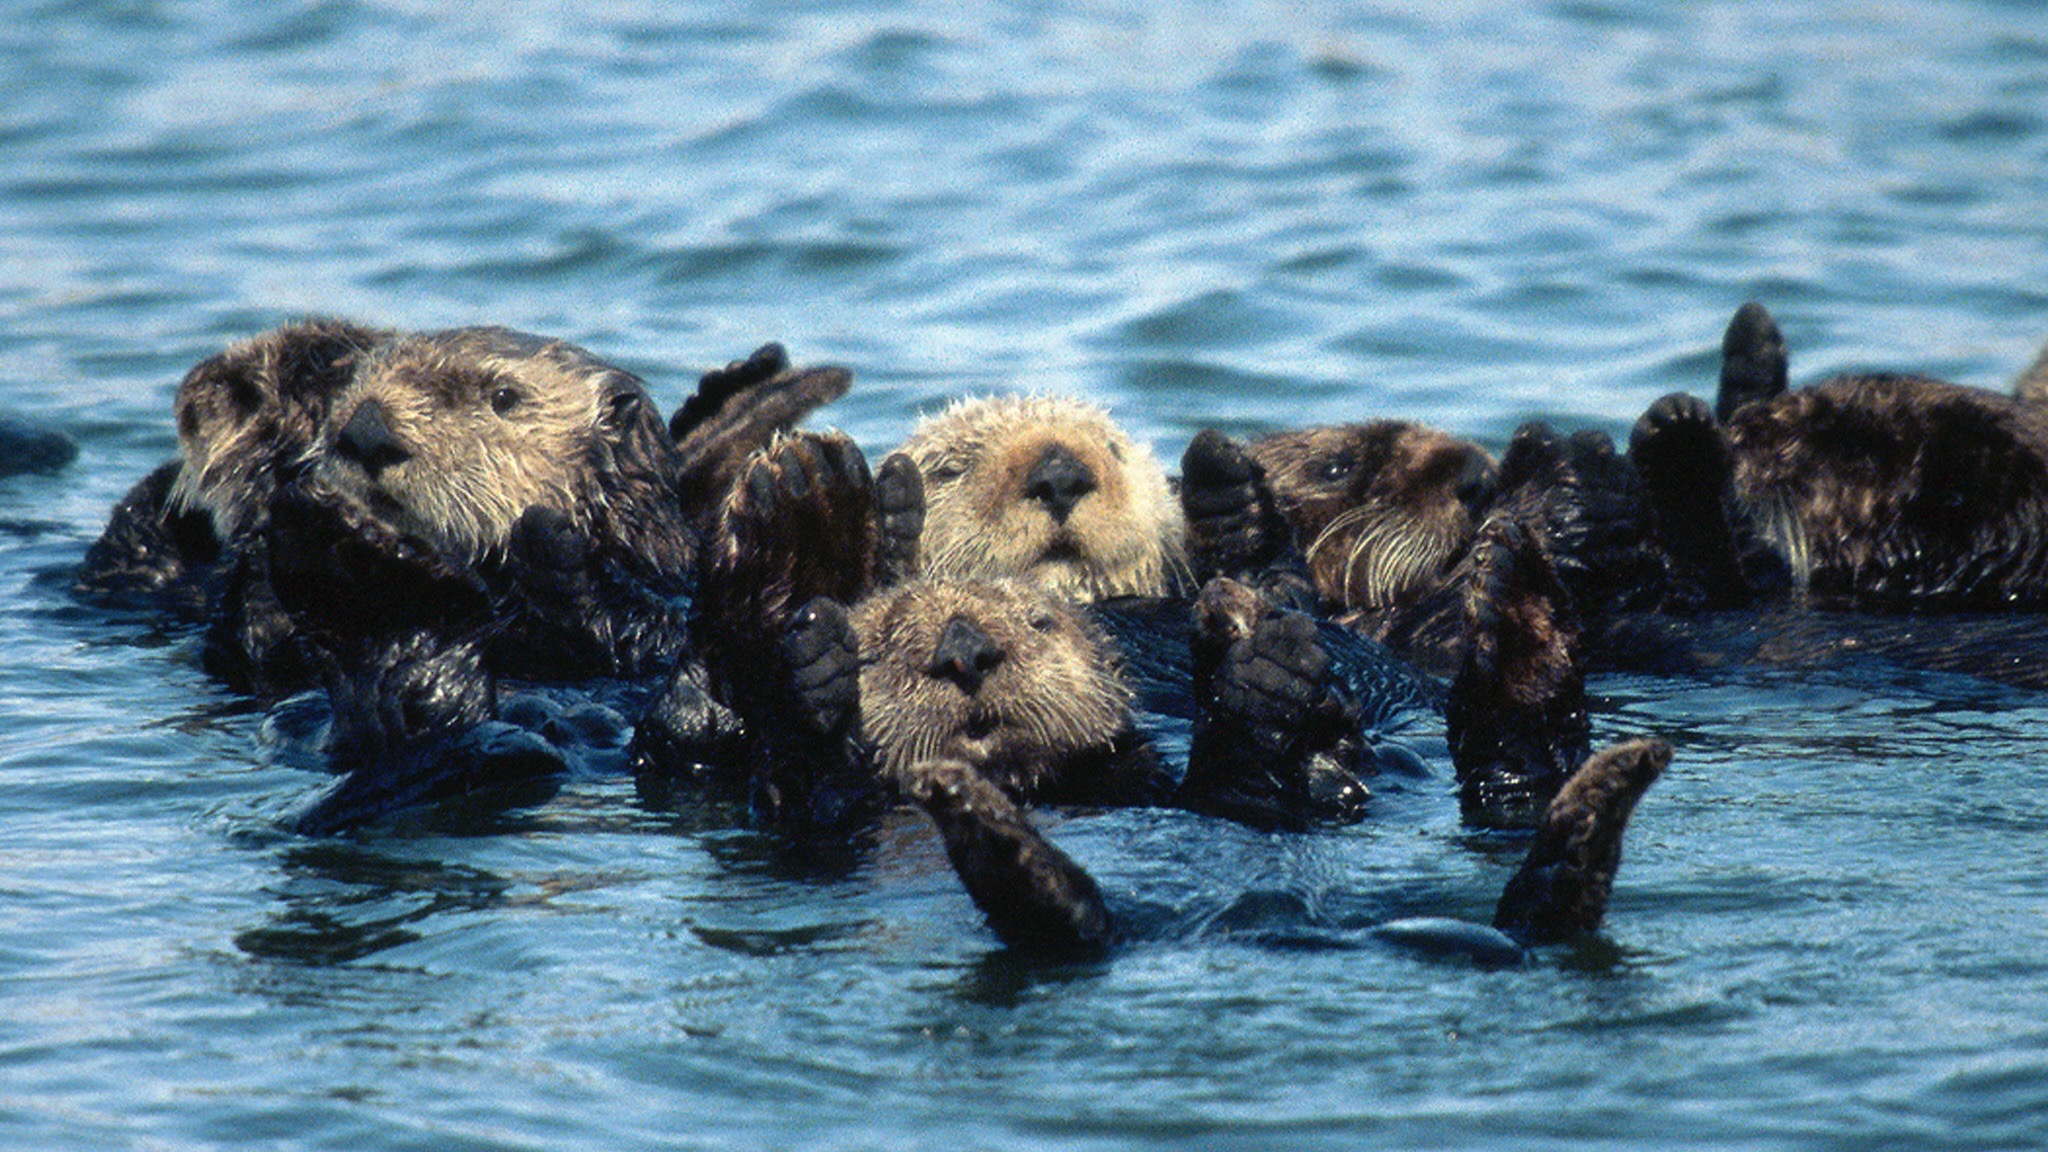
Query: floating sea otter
x=530, y=460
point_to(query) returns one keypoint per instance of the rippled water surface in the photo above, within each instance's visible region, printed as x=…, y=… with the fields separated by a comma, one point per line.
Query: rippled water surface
x=1829, y=931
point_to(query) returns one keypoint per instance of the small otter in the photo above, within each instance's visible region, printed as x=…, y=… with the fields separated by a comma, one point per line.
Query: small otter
x=1048, y=488
x=241, y=414
x=1885, y=491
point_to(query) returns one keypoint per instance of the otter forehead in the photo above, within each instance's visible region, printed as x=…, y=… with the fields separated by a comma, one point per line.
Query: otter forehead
x=1386, y=457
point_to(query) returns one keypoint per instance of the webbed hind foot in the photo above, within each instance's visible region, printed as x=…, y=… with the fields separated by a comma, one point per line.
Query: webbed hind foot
x=1563, y=885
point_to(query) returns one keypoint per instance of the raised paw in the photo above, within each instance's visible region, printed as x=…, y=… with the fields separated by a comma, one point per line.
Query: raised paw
x=1036, y=898
x=1234, y=525
x=799, y=523
x=1276, y=743
x=899, y=498
x=737, y=411
x=1753, y=362
x=715, y=387
x=1516, y=717
x=1687, y=466
x=822, y=657
x=1563, y=885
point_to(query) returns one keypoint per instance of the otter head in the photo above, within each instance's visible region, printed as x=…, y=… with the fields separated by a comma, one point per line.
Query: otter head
x=1382, y=509
x=1002, y=674
x=451, y=436
x=253, y=407
x=1048, y=489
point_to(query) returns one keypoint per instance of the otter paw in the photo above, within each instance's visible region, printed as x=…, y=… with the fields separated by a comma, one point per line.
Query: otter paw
x=1516, y=717
x=821, y=654
x=1276, y=743
x=1753, y=362
x=1036, y=898
x=1687, y=469
x=715, y=387
x=1233, y=526
x=1563, y=885
x=551, y=556
x=899, y=499
x=1678, y=445
x=799, y=523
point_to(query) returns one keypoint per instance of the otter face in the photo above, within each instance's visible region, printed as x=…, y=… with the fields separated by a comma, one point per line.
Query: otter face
x=1382, y=509
x=451, y=436
x=1001, y=674
x=1050, y=490
x=258, y=403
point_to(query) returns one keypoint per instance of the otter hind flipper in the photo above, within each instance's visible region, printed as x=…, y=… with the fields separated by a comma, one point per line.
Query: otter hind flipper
x=1753, y=362
x=1235, y=525
x=1276, y=742
x=739, y=409
x=1516, y=717
x=799, y=522
x=1563, y=885
x=1036, y=898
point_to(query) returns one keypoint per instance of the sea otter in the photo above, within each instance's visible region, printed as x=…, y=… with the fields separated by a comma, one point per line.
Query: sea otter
x=1050, y=489
x=1868, y=491
x=528, y=459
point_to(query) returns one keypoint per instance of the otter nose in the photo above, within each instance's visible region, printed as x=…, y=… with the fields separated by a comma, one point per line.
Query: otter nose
x=1477, y=485
x=369, y=440
x=965, y=654
x=1058, y=481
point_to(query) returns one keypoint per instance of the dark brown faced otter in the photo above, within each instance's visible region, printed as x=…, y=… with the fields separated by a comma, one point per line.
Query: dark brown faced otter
x=1049, y=489
x=240, y=415
x=1863, y=491
x=1381, y=510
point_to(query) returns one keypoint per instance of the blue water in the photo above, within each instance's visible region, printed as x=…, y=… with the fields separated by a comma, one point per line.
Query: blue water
x=1829, y=931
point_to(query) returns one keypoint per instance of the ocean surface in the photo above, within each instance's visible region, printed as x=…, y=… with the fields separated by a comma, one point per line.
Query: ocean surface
x=1831, y=926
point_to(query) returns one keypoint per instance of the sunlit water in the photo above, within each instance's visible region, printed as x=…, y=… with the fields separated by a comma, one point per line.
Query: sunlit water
x=1829, y=931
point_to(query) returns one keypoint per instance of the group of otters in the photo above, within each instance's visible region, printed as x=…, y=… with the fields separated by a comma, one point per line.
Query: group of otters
x=977, y=625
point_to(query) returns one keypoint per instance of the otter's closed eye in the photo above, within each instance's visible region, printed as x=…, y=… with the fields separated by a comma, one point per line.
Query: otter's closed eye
x=946, y=470
x=1043, y=621
x=504, y=400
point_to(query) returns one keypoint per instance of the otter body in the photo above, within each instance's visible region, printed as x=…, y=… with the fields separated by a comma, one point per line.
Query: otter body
x=1882, y=491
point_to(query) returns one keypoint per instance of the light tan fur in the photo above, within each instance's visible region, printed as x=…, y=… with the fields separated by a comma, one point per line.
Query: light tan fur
x=1057, y=691
x=477, y=462
x=1127, y=537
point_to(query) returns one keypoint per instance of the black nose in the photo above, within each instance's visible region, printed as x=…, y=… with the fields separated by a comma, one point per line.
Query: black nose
x=965, y=654
x=368, y=439
x=1058, y=481
x=1477, y=485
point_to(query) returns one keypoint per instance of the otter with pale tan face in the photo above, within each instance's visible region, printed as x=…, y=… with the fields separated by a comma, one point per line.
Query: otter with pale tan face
x=1048, y=489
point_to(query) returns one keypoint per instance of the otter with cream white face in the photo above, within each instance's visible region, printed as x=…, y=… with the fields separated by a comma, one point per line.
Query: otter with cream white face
x=1050, y=490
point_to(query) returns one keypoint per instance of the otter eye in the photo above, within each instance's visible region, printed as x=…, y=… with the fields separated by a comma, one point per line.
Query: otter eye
x=947, y=470
x=505, y=399
x=1043, y=621
x=1331, y=469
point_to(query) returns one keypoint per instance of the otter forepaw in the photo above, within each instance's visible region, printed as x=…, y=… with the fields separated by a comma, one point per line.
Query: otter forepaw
x=899, y=498
x=1276, y=743
x=1687, y=465
x=1036, y=898
x=1516, y=717
x=1563, y=885
x=822, y=656
x=1753, y=362
x=1677, y=444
